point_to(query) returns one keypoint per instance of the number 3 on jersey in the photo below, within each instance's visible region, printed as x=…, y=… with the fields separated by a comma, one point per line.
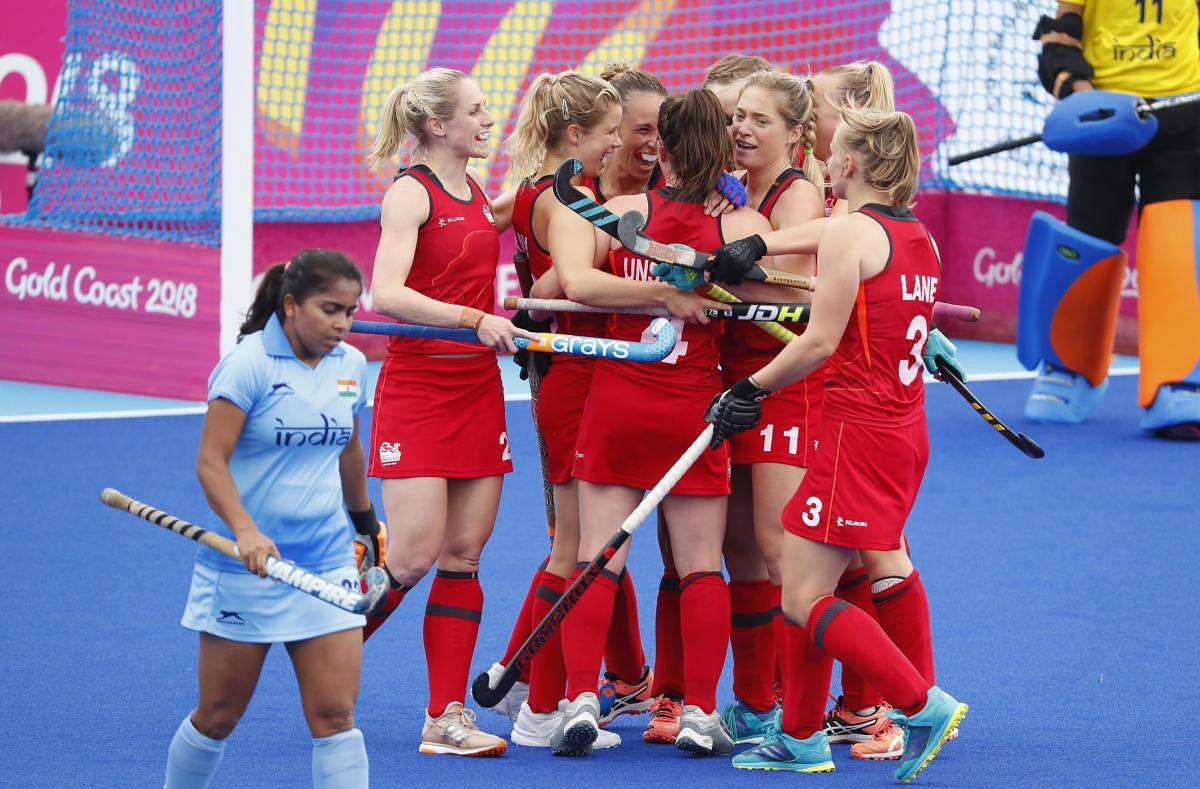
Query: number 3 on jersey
x=813, y=517
x=912, y=365
x=681, y=345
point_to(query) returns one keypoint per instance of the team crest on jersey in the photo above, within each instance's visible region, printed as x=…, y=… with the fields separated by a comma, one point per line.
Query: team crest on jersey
x=389, y=453
x=347, y=387
x=487, y=211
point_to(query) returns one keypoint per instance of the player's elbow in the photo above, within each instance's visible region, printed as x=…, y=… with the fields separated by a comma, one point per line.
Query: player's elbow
x=388, y=300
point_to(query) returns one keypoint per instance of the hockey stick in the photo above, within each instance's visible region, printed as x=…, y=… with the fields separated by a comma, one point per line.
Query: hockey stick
x=664, y=333
x=489, y=696
x=297, y=577
x=1142, y=110
x=792, y=313
x=629, y=230
x=525, y=282
x=610, y=223
x=1018, y=440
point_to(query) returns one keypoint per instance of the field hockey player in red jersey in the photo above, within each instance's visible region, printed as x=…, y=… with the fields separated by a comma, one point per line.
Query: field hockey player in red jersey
x=439, y=441
x=282, y=492
x=773, y=126
x=641, y=405
x=882, y=259
x=566, y=115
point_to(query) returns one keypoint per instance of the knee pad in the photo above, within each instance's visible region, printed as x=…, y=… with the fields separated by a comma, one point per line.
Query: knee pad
x=1168, y=249
x=1070, y=293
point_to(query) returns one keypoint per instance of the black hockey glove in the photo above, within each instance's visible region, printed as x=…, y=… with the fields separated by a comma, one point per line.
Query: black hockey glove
x=731, y=262
x=734, y=410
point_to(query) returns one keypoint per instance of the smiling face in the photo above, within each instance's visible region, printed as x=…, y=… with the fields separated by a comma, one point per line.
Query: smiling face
x=639, y=134
x=316, y=325
x=468, y=130
x=761, y=137
x=595, y=146
x=826, y=87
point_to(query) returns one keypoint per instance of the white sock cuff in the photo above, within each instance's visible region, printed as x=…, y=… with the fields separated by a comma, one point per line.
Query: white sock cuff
x=334, y=740
x=197, y=740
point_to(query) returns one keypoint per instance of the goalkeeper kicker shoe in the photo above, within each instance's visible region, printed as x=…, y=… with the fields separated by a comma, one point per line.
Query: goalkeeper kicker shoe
x=534, y=730
x=1063, y=397
x=578, y=726
x=927, y=731
x=702, y=733
x=1175, y=412
x=618, y=697
x=455, y=732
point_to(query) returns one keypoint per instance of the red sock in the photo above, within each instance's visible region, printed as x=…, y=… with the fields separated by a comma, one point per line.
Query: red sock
x=809, y=673
x=451, y=626
x=668, y=651
x=623, y=654
x=778, y=627
x=856, y=639
x=752, y=636
x=524, y=624
x=855, y=588
x=395, y=594
x=548, y=677
x=583, y=632
x=903, y=612
x=704, y=627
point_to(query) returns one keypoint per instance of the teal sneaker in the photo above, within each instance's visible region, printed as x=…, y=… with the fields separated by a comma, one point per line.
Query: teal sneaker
x=927, y=731
x=1175, y=412
x=781, y=751
x=745, y=724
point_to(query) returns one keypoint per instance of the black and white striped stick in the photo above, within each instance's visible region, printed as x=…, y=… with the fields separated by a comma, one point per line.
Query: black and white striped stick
x=285, y=572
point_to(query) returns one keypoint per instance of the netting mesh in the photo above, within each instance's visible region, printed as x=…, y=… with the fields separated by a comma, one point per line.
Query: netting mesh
x=134, y=145
x=137, y=123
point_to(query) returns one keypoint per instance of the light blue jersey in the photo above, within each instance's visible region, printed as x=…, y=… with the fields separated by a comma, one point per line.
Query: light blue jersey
x=285, y=464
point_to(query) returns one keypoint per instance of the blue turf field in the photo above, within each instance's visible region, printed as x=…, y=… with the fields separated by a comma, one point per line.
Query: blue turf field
x=1060, y=589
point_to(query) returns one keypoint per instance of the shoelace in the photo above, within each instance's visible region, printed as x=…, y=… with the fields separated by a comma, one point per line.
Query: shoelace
x=664, y=709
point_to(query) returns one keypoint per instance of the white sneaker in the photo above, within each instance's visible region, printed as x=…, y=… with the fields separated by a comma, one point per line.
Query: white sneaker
x=534, y=729
x=702, y=733
x=510, y=705
x=577, y=726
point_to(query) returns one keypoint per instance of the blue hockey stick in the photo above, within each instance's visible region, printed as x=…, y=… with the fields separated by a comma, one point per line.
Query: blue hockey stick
x=664, y=333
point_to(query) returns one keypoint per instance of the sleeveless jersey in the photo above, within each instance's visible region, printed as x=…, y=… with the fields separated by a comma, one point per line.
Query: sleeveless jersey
x=584, y=323
x=673, y=222
x=743, y=337
x=455, y=259
x=1144, y=48
x=875, y=376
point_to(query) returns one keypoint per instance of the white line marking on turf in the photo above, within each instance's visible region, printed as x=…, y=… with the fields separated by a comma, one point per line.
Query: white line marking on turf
x=75, y=416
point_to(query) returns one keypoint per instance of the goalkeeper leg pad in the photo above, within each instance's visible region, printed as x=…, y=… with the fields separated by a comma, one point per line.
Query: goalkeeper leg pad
x=1168, y=244
x=1067, y=317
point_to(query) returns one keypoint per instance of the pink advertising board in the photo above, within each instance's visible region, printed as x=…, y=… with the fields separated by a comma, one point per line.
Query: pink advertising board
x=122, y=315
x=31, y=54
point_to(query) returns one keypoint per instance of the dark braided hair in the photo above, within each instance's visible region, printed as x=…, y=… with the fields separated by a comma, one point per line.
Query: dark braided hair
x=310, y=271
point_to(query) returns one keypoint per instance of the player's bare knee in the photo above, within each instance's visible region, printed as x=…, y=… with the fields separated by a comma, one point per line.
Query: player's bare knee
x=216, y=723
x=410, y=567
x=460, y=561
x=331, y=720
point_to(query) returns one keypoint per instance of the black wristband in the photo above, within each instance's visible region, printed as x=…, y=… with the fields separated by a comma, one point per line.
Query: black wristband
x=365, y=522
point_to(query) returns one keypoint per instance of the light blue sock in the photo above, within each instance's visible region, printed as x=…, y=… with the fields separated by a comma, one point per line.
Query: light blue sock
x=340, y=761
x=192, y=758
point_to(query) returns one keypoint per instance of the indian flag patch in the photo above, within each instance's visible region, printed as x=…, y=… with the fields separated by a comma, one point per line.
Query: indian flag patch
x=347, y=387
